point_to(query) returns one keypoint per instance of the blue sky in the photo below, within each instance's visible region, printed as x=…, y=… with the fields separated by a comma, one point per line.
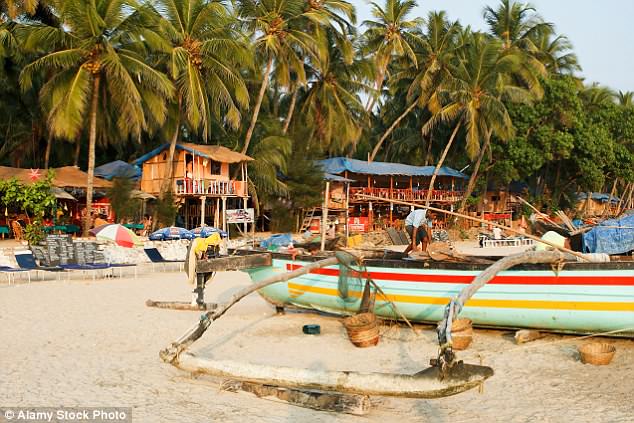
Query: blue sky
x=600, y=31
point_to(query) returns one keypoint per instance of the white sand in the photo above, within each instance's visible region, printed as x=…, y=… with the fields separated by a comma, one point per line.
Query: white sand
x=85, y=343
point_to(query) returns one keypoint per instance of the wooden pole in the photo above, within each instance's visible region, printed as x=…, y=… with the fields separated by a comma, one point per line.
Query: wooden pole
x=475, y=219
x=347, y=210
x=324, y=216
x=391, y=195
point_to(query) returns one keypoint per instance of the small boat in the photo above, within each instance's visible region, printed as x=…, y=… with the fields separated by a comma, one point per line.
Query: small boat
x=576, y=297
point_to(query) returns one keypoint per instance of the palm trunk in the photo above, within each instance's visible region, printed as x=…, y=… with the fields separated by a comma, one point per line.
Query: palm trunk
x=92, y=141
x=167, y=183
x=439, y=164
x=474, y=176
x=291, y=110
x=77, y=151
x=372, y=100
x=47, y=154
x=258, y=104
x=398, y=120
x=428, y=152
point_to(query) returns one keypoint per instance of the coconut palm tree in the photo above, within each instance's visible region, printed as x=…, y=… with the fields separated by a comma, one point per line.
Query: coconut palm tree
x=516, y=24
x=203, y=55
x=555, y=52
x=626, y=98
x=434, y=52
x=390, y=34
x=15, y=8
x=334, y=15
x=332, y=106
x=472, y=100
x=281, y=37
x=595, y=95
x=92, y=66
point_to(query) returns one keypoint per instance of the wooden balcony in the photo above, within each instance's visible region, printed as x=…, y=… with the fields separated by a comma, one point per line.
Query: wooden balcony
x=208, y=187
x=410, y=195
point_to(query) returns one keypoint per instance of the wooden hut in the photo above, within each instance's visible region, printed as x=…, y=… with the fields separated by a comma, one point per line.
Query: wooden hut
x=596, y=204
x=204, y=180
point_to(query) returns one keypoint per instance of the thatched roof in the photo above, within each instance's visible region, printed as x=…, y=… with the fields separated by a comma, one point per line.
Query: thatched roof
x=65, y=177
x=213, y=152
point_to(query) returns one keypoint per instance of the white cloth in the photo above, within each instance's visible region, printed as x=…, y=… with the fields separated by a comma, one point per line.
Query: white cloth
x=497, y=233
x=416, y=218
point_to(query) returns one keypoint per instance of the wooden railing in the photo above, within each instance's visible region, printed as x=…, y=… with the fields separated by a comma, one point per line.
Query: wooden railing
x=184, y=186
x=408, y=194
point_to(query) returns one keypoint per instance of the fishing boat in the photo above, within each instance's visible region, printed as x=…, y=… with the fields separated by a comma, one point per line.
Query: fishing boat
x=574, y=297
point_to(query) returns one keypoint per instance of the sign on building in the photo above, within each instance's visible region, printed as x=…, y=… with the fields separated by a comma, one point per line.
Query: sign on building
x=240, y=216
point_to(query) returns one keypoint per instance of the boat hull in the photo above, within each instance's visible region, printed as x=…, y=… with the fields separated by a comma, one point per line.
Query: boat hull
x=577, y=299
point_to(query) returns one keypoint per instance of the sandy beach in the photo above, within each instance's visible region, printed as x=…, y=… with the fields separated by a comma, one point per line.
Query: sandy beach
x=85, y=343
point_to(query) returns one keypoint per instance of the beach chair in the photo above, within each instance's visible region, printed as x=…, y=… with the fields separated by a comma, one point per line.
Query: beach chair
x=93, y=269
x=27, y=262
x=122, y=266
x=156, y=258
x=12, y=271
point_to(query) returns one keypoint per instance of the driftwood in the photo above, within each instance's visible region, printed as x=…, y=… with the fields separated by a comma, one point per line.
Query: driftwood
x=181, y=305
x=430, y=383
x=170, y=354
x=475, y=219
x=318, y=400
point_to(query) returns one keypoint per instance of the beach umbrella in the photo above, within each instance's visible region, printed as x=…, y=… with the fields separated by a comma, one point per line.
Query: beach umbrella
x=118, y=234
x=205, y=231
x=172, y=232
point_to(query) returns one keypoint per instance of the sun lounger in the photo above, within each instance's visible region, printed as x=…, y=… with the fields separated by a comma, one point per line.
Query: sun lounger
x=156, y=258
x=26, y=261
x=12, y=271
x=122, y=266
x=92, y=268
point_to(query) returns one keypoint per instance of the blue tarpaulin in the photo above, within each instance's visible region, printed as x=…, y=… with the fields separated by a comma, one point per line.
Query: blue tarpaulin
x=118, y=169
x=278, y=240
x=338, y=165
x=616, y=238
x=598, y=196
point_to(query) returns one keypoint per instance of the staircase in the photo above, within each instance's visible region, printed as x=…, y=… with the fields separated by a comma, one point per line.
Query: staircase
x=307, y=219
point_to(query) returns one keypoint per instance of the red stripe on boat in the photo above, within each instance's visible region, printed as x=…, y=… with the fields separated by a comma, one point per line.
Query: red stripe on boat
x=601, y=280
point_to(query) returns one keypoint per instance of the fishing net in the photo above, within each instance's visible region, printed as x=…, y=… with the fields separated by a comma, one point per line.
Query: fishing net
x=350, y=276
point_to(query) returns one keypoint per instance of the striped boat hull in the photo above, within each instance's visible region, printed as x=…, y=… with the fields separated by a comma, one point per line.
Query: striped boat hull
x=577, y=299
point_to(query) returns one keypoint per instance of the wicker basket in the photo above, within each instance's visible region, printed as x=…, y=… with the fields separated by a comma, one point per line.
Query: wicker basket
x=461, y=340
x=597, y=353
x=461, y=325
x=362, y=329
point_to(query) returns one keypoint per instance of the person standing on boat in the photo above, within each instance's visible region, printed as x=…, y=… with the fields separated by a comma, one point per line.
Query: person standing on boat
x=416, y=227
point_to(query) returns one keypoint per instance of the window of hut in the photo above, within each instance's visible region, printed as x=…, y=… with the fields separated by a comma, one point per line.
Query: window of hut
x=215, y=167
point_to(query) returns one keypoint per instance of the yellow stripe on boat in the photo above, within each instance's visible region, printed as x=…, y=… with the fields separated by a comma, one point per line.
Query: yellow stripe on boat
x=295, y=290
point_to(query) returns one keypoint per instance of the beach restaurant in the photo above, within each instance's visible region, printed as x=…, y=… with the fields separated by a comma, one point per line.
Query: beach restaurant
x=70, y=185
x=389, y=182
